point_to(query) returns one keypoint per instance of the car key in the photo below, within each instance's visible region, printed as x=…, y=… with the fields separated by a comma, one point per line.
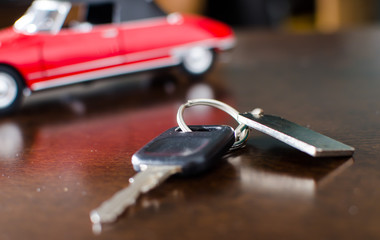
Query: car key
x=172, y=152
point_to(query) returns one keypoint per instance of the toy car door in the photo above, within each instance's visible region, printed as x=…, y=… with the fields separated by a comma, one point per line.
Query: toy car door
x=74, y=52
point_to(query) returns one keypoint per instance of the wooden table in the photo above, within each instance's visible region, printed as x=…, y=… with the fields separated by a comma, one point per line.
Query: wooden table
x=69, y=149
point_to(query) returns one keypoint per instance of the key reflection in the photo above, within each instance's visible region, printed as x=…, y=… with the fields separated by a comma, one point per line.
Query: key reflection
x=273, y=182
x=97, y=228
x=270, y=166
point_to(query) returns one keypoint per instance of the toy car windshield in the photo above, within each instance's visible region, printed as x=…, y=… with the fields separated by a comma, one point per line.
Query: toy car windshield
x=50, y=15
x=43, y=16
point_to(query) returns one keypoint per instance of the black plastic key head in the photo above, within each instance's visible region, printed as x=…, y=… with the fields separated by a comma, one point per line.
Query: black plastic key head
x=194, y=151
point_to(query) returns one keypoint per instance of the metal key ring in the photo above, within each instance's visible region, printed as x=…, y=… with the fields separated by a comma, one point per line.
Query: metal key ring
x=241, y=132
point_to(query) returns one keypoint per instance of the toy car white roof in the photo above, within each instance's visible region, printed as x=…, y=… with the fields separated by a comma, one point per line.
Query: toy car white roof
x=125, y=10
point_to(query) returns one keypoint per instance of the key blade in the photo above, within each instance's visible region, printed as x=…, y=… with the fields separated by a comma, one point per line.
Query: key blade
x=304, y=139
x=142, y=182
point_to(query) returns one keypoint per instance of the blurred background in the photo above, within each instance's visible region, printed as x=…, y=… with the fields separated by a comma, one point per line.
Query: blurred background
x=288, y=15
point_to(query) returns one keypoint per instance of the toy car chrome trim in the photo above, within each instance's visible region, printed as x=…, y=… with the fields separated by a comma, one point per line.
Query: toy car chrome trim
x=103, y=73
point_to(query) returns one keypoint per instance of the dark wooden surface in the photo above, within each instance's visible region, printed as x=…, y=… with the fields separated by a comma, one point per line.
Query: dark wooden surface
x=68, y=150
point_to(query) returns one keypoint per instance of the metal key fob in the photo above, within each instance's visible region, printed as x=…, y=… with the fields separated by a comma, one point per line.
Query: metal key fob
x=172, y=152
x=304, y=139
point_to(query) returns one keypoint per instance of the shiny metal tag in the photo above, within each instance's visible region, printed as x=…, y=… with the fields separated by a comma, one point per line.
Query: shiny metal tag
x=304, y=139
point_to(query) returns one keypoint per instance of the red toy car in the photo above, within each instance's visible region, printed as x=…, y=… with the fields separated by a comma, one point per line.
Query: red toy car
x=58, y=43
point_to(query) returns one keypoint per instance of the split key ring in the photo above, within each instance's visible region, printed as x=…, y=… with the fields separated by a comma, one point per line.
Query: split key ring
x=241, y=131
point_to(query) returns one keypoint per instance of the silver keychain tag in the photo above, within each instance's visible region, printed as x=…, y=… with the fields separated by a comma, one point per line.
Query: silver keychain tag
x=301, y=138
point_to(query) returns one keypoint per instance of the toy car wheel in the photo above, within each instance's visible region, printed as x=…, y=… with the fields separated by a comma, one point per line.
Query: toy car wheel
x=10, y=90
x=198, y=60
